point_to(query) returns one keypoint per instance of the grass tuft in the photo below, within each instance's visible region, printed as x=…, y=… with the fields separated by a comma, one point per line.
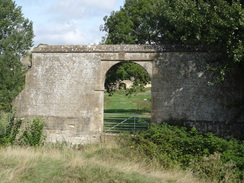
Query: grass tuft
x=93, y=163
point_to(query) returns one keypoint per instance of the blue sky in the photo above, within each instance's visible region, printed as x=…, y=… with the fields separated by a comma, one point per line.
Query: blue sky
x=68, y=22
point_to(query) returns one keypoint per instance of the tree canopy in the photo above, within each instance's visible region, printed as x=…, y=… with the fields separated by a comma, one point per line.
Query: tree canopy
x=16, y=34
x=126, y=71
x=216, y=24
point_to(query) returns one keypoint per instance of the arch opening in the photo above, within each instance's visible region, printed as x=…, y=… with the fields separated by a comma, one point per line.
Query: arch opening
x=127, y=97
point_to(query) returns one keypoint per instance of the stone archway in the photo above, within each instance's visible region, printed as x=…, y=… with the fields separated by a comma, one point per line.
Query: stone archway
x=65, y=86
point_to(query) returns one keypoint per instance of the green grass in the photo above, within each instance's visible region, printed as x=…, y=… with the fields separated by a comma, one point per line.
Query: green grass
x=103, y=163
x=124, y=106
x=120, y=103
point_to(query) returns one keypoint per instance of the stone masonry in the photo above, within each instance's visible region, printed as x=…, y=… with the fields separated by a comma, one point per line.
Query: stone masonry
x=65, y=85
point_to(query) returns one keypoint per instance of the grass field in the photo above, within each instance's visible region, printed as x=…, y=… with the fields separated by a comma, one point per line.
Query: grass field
x=120, y=103
x=103, y=163
x=124, y=107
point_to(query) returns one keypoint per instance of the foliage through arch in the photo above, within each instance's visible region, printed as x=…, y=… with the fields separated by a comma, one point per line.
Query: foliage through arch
x=126, y=71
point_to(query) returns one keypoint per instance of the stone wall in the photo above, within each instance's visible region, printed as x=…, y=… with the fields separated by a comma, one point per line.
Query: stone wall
x=182, y=90
x=65, y=85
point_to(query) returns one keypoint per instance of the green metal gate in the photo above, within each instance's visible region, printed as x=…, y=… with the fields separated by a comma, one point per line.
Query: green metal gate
x=125, y=123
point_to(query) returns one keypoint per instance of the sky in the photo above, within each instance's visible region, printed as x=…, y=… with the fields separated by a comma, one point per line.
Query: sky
x=68, y=22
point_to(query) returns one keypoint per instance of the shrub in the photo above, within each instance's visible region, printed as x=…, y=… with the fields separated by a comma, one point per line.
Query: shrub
x=10, y=131
x=33, y=133
x=174, y=145
x=9, y=128
x=212, y=168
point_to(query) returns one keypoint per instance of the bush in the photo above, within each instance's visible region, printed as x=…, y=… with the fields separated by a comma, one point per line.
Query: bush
x=32, y=134
x=212, y=168
x=10, y=131
x=177, y=146
x=9, y=128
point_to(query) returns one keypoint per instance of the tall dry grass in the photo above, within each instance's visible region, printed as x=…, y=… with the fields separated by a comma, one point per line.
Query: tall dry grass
x=89, y=163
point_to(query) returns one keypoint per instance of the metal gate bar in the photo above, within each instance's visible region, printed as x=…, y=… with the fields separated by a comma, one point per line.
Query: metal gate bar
x=119, y=123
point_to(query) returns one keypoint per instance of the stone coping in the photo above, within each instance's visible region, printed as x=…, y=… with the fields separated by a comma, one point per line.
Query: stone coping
x=117, y=48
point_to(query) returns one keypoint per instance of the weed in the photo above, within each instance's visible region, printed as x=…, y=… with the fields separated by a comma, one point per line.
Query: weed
x=10, y=132
x=212, y=168
x=9, y=128
x=32, y=134
x=96, y=163
x=175, y=146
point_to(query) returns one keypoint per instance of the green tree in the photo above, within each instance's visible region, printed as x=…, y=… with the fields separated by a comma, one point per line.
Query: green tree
x=126, y=71
x=135, y=23
x=15, y=40
x=216, y=24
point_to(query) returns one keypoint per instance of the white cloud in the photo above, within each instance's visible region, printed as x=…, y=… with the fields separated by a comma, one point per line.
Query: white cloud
x=80, y=9
x=67, y=21
x=67, y=33
x=98, y=4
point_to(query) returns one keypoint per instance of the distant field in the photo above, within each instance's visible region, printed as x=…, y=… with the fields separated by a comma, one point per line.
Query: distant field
x=120, y=103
